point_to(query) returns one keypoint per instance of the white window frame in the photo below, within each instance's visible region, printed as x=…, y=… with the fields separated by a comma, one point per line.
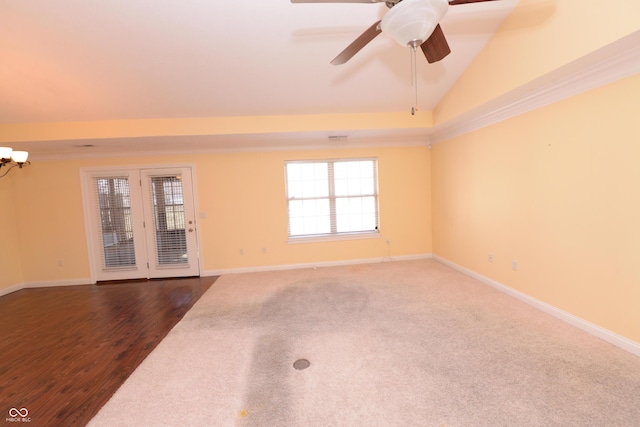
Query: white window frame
x=333, y=234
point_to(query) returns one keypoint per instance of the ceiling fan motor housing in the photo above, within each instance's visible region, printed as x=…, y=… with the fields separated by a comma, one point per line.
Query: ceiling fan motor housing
x=411, y=22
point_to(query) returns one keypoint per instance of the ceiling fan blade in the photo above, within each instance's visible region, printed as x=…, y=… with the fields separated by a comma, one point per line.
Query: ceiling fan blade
x=454, y=2
x=337, y=1
x=357, y=44
x=436, y=46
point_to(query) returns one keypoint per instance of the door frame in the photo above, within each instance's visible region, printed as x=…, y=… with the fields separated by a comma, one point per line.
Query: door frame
x=86, y=175
x=191, y=225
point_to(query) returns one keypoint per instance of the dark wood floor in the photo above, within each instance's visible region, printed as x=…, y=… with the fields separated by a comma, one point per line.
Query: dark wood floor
x=64, y=351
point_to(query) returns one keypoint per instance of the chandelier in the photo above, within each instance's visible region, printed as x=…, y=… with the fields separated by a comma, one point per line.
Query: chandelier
x=10, y=159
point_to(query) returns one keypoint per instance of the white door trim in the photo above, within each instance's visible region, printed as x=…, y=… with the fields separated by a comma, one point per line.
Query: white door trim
x=86, y=175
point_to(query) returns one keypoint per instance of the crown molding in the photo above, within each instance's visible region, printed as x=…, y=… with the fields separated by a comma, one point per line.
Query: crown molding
x=612, y=62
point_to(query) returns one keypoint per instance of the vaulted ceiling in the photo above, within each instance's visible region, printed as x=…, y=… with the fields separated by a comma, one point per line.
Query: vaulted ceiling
x=75, y=61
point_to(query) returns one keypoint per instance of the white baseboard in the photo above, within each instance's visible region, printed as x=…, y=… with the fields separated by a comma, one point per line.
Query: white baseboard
x=11, y=289
x=47, y=284
x=593, y=329
x=313, y=265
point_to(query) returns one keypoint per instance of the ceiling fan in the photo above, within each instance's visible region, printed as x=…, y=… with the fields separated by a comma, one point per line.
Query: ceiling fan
x=411, y=23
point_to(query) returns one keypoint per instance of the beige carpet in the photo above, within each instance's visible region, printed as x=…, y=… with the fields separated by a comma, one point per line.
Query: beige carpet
x=410, y=343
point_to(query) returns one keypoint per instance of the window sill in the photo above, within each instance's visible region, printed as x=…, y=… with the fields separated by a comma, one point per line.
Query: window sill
x=334, y=238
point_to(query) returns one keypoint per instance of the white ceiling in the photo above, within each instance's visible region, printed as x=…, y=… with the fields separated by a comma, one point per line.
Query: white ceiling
x=78, y=60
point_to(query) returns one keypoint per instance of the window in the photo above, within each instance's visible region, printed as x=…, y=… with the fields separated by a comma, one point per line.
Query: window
x=168, y=203
x=114, y=207
x=169, y=218
x=332, y=197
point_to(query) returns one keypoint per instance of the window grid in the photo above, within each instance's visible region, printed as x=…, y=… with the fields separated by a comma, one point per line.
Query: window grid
x=332, y=197
x=114, y=207
x=168, y=212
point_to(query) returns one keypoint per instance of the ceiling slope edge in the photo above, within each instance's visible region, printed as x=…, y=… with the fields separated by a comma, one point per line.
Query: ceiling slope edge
x=223, y=125
x=612, y=62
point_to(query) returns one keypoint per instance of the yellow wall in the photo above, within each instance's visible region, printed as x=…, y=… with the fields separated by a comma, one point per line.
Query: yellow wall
x=536, y=38
x=50, y=222
x=557, y=190
x=9, y=247
x=246, y=209
x=243, y=196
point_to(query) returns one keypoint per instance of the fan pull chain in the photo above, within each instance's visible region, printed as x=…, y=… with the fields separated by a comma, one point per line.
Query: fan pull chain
x=414, y=75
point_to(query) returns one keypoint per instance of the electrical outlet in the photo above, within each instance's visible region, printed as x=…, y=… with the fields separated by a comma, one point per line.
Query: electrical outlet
x=490, y=258
x=514, y=265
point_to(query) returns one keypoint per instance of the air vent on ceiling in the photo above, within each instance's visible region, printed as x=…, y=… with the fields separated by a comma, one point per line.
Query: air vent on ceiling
x=338, y=137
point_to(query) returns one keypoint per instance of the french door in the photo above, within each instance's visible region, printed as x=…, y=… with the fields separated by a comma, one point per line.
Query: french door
x=142, y=223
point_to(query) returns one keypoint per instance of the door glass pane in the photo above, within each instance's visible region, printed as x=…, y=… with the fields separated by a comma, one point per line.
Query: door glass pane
x=168, y=214
x=114, y=203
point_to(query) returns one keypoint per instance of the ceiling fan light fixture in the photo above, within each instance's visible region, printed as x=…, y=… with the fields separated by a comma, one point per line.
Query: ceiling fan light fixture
x=411, y=22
